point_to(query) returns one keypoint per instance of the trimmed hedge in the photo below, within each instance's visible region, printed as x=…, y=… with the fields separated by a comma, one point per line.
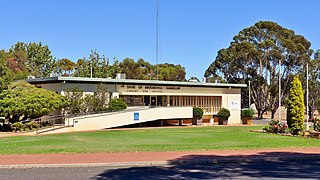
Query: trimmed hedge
x=197, y=112
x=224, y=113
x=247, y=113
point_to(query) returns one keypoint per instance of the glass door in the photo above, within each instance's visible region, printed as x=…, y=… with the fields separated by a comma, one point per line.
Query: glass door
x=153, y=100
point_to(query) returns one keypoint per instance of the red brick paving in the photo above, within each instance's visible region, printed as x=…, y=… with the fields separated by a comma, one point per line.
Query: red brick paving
x=146, y=156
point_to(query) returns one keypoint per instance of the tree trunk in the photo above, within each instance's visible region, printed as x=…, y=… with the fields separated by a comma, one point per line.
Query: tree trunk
x=261, y=115
x=15, y=118
x=272, y=113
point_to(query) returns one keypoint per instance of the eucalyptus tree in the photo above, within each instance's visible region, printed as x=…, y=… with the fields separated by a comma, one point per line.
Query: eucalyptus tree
x=254, y=54
x=313, y=84
x=40, y=62
x=5, y=74
x=96, y=64
x=65, y=67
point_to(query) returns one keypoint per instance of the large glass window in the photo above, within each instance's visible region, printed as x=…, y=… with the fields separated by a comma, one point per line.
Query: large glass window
x=132, y=100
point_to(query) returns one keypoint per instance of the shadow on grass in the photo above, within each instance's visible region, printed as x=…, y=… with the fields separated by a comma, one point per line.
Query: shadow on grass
x=278, y=165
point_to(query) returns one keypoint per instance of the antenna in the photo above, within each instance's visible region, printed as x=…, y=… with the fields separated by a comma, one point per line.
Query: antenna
x=157, y=37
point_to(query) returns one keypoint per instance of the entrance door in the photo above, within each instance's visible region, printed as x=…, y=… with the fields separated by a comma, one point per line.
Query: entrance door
x=146, y=100
x=153, y=101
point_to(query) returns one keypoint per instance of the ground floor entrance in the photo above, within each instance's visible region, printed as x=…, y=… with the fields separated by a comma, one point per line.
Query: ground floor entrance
x=210, y=104
x=144, y=100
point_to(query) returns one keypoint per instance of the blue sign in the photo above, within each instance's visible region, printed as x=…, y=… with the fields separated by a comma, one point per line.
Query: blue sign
x=136, y=116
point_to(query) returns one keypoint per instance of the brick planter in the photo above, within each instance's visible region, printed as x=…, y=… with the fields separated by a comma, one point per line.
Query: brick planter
x=314, y=134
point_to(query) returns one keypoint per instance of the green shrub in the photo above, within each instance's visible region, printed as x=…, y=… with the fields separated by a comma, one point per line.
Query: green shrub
x=17, y=126
x=247, y=113
x=276, y=126
x=197, y=112
x=223, y=113
x=316, y=125
x=295, y=107
x=295, y=130
x=117, y=105
x=31, y=126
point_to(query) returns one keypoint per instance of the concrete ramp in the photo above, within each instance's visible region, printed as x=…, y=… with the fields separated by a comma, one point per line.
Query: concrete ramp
x=121, y=118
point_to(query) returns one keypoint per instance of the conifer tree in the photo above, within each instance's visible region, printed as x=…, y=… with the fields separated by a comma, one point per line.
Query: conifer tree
x=295, y=106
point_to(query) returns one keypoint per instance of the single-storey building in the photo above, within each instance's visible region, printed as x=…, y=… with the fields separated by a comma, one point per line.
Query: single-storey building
x=211, y=97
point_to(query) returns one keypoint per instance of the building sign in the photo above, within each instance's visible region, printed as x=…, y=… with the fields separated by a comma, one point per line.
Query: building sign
x=136, y=116
x=234, y=105
x=147, y=88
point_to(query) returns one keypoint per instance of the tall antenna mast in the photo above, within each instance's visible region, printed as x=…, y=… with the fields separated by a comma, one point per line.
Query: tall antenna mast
x=157, y=37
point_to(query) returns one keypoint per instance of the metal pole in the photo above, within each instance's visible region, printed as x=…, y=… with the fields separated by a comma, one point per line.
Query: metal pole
x=279, y=108
x=307, y=98
x=157, y=37
x=249, y=96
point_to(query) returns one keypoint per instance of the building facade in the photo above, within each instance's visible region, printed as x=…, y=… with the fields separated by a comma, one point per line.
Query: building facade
x=211, y=97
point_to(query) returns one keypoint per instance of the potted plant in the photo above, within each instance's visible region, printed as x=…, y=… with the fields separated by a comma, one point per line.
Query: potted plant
x=223, y=116
x=246, y=116
x=197, y=116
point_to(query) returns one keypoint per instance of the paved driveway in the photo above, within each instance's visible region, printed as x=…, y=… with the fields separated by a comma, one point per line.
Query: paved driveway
x=261, y=121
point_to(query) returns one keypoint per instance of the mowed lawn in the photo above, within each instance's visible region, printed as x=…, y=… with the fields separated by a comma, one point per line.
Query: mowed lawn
x=154, y=139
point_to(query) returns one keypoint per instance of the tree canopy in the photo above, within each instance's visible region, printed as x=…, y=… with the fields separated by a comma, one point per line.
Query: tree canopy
x=32, y=59
x=313, y=83
x=22, y=100
x=5, y=74
x=254, y=55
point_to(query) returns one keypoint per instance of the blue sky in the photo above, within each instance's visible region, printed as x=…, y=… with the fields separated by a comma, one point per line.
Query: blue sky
x=191, y=31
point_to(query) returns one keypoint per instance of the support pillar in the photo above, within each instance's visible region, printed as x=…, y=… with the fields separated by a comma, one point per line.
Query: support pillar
x=115, y=95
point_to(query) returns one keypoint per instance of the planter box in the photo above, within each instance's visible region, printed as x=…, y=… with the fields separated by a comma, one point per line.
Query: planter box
x=314, y=134
x=247, y=120
x=197, y=122
x=222, y=121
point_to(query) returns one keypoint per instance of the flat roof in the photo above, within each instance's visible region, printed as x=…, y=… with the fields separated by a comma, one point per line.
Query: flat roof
x=130, y=81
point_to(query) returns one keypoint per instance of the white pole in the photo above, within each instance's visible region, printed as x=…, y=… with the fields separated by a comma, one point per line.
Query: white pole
x=91, y=69
x=157, y=37
x=279, y=108
x=249, y=96
x=307, y=98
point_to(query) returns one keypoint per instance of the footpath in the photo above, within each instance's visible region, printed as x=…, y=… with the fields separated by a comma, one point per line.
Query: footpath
x=156, y=158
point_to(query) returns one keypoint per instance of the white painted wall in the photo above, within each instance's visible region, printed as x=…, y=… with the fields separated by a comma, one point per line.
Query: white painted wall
x=96, y=122
x=229, y=95
x=232, y=101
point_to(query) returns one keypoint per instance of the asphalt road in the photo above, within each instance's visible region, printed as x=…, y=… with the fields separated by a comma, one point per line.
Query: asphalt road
x=261, y=121
x=254, y=170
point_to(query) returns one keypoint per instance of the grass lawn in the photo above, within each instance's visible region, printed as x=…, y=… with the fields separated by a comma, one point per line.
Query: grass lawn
x=157, y=139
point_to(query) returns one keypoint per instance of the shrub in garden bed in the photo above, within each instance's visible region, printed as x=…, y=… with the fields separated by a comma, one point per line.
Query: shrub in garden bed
x=316, y=125
x=18, y=126
x=276, y=126
x=117, y=105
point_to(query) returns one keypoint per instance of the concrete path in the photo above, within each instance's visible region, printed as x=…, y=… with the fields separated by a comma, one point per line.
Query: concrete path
x=155, y=158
